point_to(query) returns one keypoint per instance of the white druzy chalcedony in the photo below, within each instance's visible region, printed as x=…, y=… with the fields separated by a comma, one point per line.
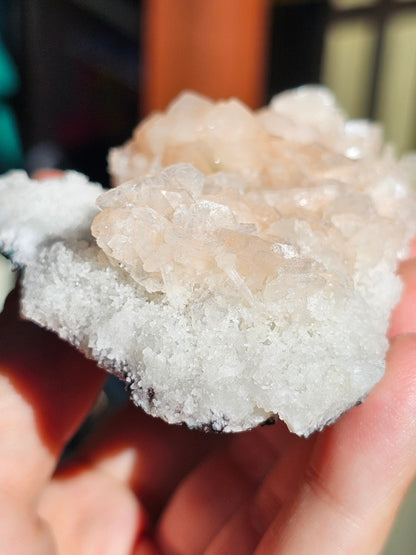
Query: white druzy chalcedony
x=243, y=269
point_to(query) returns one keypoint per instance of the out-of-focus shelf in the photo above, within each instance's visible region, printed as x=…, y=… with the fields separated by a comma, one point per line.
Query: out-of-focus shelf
x=122, y=15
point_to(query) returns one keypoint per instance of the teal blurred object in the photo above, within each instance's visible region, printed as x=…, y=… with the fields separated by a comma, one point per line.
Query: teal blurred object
x=10, y=147
x=11, y=155
x=9, y=79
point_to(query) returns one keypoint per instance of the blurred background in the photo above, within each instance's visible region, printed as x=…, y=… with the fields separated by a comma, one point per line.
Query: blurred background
x=77, y=75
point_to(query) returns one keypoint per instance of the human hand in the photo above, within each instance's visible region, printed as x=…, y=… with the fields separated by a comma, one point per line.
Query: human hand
x=102, y=500
x=141, y=486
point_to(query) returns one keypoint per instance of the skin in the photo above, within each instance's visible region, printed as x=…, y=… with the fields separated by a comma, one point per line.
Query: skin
x=139, y=486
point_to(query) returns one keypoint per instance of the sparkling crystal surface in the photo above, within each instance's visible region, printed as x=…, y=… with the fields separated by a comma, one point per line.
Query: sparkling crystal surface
x=244, y=267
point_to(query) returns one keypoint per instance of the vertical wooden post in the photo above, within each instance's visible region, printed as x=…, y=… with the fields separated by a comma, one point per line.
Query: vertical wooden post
x=215, y=47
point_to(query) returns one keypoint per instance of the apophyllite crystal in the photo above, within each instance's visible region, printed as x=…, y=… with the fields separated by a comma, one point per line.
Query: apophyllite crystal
x=244, y=266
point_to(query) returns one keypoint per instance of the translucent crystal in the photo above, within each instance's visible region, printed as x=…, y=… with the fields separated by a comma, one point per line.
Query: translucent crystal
x=299, y=133
x=293, y=184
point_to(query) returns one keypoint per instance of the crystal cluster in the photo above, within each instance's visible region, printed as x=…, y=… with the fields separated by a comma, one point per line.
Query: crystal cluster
x=297, y=136
x=293, y=191
x=243, y=269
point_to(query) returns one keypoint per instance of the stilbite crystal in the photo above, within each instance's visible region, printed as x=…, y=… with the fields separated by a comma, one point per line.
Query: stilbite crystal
x=244, y=267
x=302, y=134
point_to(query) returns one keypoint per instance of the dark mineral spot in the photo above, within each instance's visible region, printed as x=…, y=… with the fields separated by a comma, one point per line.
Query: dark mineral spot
x=269, y=422
x=150, y=395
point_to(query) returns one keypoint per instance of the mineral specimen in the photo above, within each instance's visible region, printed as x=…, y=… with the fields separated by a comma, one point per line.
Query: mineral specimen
x=243, y=268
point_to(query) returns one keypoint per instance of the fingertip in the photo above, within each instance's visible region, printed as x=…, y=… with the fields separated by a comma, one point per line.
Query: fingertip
x=384, y=422
x=47, y=173
x=403, y=319
x=401, y=365
x=412, y=253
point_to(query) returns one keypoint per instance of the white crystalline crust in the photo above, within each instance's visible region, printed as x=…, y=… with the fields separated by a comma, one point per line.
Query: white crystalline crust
x=32, y=213
x=256, y=283
x=212, y=363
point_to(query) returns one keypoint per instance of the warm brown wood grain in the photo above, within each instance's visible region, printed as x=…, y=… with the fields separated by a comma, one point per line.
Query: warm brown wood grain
x=216, y=47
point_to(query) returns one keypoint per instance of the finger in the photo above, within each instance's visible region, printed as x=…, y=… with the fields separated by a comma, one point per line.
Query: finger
x=217, y=488
x=359, y=470
x=91, y=512
x=22, y=533
x=130, y=456
x=46, y=389
x=403, y=319
x=242, y=533
x=146, y=547
x=412, y=250
x=145, y=453
x=47, y=173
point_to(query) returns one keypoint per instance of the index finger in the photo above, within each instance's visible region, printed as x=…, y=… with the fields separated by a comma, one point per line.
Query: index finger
x=403, y=319
x=46, y=390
